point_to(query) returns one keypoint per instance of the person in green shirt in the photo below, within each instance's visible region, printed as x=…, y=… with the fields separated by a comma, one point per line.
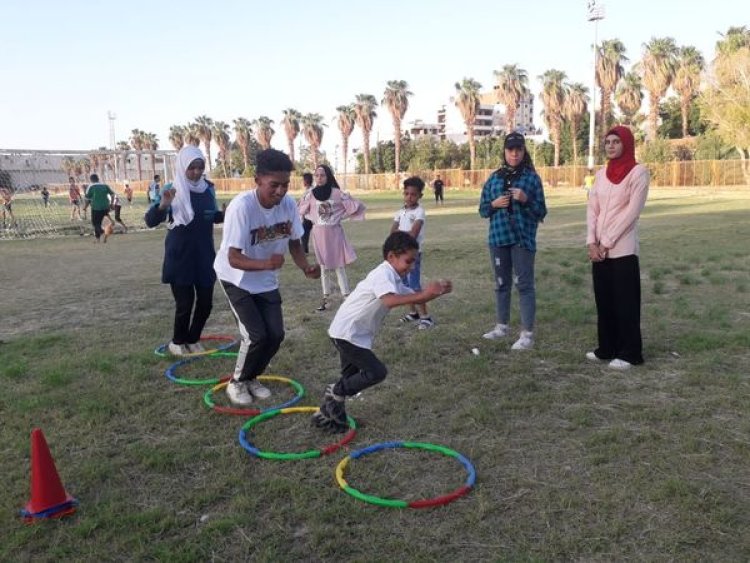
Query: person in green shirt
x=98, y=197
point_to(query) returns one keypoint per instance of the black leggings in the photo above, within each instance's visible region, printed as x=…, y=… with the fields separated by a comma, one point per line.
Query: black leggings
x=360, y=368
x=97, y=216
x=187, y=331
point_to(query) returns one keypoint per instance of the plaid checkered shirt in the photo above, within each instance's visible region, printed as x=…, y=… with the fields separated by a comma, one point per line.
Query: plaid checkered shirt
x=517, y=225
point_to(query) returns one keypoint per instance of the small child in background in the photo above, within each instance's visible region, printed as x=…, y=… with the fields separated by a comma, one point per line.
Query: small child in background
x=361, y=316
x=117, y=206
x=410, y=219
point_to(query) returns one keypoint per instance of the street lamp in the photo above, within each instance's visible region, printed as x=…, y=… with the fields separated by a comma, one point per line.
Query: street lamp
x=596, y=13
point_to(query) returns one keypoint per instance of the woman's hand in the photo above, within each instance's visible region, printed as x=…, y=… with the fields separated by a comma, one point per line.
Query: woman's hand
x=501, y=202
x=595, y=252
x=519, y=195
x=167, y=197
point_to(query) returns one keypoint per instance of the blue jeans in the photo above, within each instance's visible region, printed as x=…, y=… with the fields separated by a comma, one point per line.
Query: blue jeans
x=411, y=280
x=506, y=261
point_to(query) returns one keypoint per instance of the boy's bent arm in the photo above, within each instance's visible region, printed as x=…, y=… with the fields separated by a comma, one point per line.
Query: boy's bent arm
x=241, y=262
x=300, y=259
x=430, y=292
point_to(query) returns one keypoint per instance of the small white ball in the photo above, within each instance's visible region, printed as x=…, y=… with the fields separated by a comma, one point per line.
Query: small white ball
x=475, y=351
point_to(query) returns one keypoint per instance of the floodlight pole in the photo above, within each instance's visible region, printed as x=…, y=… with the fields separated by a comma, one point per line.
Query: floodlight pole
x=596, y=13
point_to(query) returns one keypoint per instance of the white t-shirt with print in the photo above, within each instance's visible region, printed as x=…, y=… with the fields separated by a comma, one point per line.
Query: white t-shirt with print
x=258, y=232
x=361, y=315
x=406, y=219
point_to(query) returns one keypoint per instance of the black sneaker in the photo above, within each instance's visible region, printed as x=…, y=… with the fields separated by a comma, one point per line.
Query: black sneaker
x=331, y=416
x=409, y=317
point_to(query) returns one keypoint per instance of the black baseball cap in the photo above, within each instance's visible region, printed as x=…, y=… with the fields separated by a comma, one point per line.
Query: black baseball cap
x=514, y=140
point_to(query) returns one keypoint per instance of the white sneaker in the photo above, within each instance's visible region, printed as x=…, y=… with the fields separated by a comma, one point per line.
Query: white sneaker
x=258, y=390
x=619, y=364
x=238, y=393
x=178, y=349
x=590, y=356
x=500, y=331
x=524, y=342
x=196, y=348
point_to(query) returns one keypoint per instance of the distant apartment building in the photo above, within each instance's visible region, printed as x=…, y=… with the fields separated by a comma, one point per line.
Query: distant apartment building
x=524, y=112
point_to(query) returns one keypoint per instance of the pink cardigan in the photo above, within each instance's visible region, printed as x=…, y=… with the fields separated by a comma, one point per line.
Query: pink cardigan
x=613, y=210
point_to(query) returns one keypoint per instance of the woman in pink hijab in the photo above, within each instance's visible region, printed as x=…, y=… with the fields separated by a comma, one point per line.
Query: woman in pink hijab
x=614, y=206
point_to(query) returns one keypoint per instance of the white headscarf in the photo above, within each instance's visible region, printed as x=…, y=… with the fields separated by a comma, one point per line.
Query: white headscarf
x=182, y=209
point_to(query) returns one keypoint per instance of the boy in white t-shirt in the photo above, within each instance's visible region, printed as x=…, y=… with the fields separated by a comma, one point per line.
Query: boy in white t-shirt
x=410, y=219
x=360, y=317
x=259, y=226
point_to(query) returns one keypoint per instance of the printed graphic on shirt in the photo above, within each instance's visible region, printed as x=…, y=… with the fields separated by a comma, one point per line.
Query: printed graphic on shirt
x=325, y=212
x=265, y=234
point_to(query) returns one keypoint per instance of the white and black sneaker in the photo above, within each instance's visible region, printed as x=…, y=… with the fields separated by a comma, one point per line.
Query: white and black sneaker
x=238, y=393
x=258, y=390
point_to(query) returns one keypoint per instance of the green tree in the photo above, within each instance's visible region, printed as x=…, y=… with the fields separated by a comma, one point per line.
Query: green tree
x=204, y=131
x=657, y=67
x=243, y=133
x=575, y=102
x=312, y=129
x=687, y=79
x=291, y=123
x=345, y=120
x=512, y=85
x=553, y=95
x=221, y=137
x=396, y=99
x=467, y=102
x=671, y=117
x=609, y=60
x=364, y=112
x=629, y=96
x=177, y=136
x=137, y=138
x=151, y=144
x=264, y=131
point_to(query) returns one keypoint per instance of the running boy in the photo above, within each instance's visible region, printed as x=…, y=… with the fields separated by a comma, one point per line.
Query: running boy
x=410, y=219
x=259, y=225
x=360, y=317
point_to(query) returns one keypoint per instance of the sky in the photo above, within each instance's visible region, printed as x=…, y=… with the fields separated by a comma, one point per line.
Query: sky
x=65, y=65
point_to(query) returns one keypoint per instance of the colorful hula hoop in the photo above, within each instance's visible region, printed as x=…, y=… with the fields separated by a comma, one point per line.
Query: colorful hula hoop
x=170, y=372
x=161, y=351
x=209, y=401
x=396, y=503
x=245, y=443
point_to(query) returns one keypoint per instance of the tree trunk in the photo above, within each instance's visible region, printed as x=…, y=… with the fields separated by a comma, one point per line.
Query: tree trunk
x=290, y=142
x=603, y=125
x=745, y=158
x=510, y=118
x=366, y=143
x=314, y=155
x=345, y=149
x=472, y=145
x=556, y=141
x=397, y=142
x=653, y=115
x=208, y=153
x=684, y=108
x=140, y=171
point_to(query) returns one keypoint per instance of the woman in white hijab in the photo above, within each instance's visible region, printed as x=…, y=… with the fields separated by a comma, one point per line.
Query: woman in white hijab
x=189, y=207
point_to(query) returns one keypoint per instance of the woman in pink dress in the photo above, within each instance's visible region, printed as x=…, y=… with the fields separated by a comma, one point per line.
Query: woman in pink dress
x=326, y=206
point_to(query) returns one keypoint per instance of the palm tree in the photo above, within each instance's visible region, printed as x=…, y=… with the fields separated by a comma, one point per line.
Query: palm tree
x=629, y=96
x=291, y=128
x=609, y=58
x=94, y=158
x=346, y=120
x=124, y=147
x=657, y=66
x=136, y=141
x=83, y=166
x=553, y=93
x=687, y=78
x=221, y=136
x=151, y=144
x=396, y=98
x=204, y=131
x=242, y=131
x=312, y=129
x=192, y=134
x=69, y=165
x=467, y=102
x=575, y=103
x=177, y=136
x=263, y=131
x=512, y=86
x=364, y=114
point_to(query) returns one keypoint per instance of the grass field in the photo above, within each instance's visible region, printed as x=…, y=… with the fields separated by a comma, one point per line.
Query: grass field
x=574, y=461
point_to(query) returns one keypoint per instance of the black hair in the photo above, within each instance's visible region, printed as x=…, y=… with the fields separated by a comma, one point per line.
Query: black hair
x=156, y=176
x=415, y=182
x=71, y=178
x=271, y=160
x=399, y=243
x=94, y=177
x=330, y=178
x=307, y=179
x=525, y=163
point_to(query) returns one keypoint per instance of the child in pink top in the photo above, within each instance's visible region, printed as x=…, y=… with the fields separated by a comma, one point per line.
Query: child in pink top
x=614, y=206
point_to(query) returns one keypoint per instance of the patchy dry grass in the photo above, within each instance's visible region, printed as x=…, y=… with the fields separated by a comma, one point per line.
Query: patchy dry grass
x=573, y=461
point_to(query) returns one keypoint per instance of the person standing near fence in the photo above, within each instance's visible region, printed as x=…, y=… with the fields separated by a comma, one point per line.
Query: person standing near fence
x=98, y=197
x=327, y=206
x=7, y=200
x=614, y=207
x=307, y=181
x=153, y=190
x=513, y=200
x=438, y=186
x=74, y=196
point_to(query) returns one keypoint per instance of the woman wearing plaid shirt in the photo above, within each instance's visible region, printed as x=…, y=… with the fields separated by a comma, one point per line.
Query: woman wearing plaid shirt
x=513, y=200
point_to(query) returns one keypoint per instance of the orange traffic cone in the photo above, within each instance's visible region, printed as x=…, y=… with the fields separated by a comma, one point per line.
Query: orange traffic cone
x=48, y=496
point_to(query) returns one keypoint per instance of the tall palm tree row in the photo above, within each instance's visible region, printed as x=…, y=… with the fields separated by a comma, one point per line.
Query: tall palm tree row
x=243, y=131
x=345, y=120
x=396, y=99
x=657, y=69
x=312, y=129
x=221, y=137
x=575, y=104
x=364, y=111
x=687, y=77
x=137, y=142
x=629, y=96
x=291, y=128
x=609, y=60
x=512, y=85
x=263, y=131
x=467, y=102
x=151, y=144
x=553, y=94
x=123, y=147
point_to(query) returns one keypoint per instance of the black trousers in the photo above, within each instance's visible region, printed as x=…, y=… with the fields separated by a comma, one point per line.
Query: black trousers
x=360, y=368
x=97, y=216
x=307, y=226
x=438, y=195
x=188, y=324
x=617, y=290
x=261, y=325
